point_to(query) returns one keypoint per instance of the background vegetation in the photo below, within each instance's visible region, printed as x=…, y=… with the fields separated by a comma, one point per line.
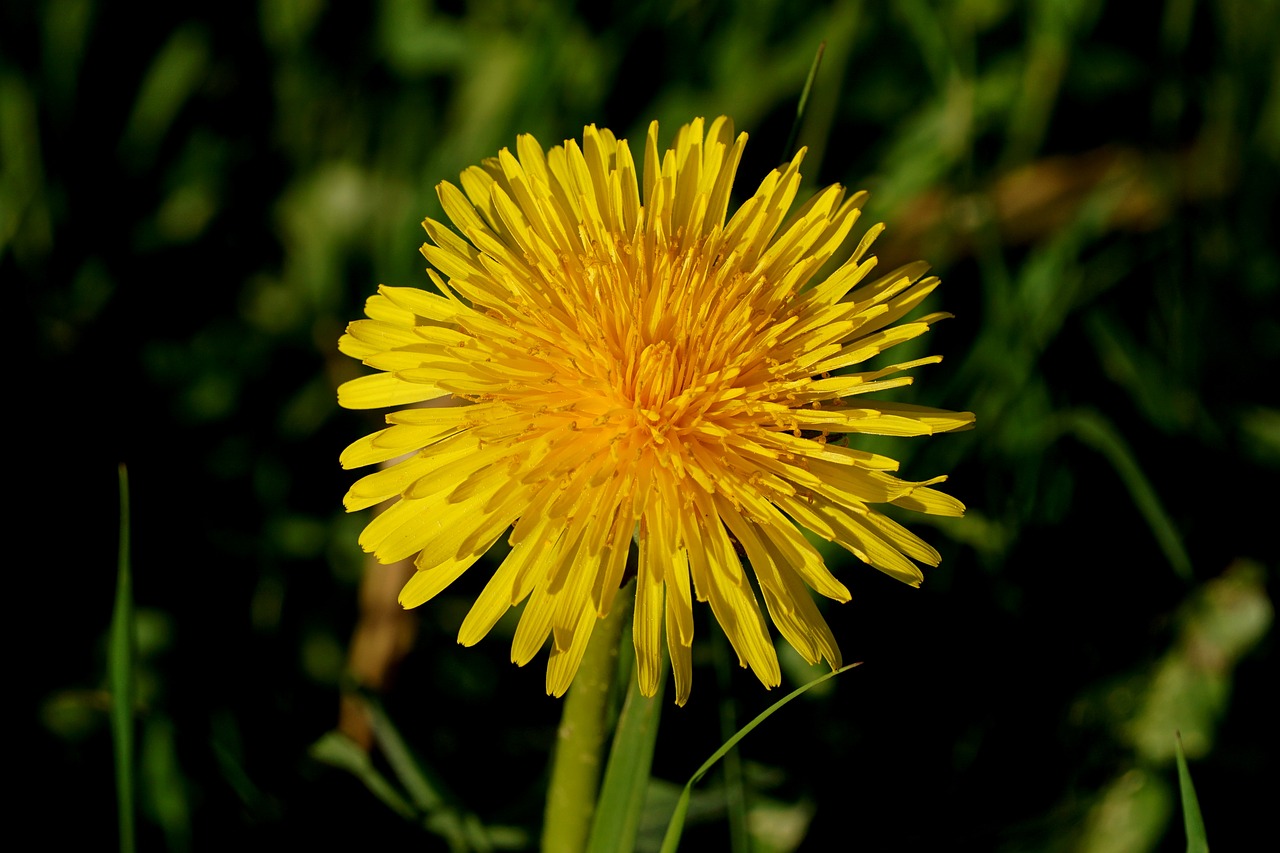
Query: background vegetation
x=194, y=201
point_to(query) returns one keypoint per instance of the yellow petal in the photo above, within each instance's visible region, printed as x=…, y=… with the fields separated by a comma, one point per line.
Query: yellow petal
x=563, y=663
x=646, y=633
x=931, y=501
x=681, y=656
x=383, y=389
x=421, y=303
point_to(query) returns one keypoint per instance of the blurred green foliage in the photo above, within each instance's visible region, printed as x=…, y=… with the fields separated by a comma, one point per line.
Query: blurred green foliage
x=193, y=202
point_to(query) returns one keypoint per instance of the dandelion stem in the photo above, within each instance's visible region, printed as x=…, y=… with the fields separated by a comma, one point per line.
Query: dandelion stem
x=576, y=768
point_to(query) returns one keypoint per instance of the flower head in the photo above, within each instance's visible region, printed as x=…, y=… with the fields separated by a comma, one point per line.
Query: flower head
x=619, y=360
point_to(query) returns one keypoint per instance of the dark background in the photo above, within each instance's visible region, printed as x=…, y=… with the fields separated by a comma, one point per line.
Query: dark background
x=194, y=201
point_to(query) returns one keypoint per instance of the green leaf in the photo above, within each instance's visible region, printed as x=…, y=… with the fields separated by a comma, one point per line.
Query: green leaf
x=1194, y=823
x=421, y=789
x=674, y=829
x=427, y=794
x=121, y=677
x=338, y=750
x=429, y=803
x=735, y=790
x=789, y=151
x=626, y=778
x=1097, y=432
x=163, y=794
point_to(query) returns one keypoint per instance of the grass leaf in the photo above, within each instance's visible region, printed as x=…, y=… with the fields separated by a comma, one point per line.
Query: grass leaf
x=338, y=750
x=674, y=829
x=789, y=151
x=1194, y=823
x=120, y=676
x=427, y=794
x=1097, y=432
x=408, y=769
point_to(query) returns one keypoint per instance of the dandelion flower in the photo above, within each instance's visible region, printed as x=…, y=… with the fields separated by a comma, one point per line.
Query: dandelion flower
x=621, y=360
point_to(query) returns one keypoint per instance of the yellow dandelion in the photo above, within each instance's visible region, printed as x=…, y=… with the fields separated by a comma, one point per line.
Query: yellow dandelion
x=622, y=361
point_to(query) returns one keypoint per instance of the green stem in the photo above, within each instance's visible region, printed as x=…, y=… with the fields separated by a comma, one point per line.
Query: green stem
x=120, y=676
x=575, y=772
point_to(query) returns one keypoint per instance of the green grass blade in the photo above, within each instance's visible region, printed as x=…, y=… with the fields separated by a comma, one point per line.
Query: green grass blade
x=626, y=777
x=162, y=787
x=735, y=790
x=427, y=794
x=120, y=677
x=1194, y=823
x=1095, y=431
x=790, y=150
x=671, y=841
x=408, y=769
x=425, y=799
x=338, y=750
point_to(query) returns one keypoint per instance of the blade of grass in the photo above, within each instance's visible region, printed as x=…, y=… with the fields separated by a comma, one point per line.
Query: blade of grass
x=626, y=777
x=338, y=750
x=1094, y=430
x=120, y=676
x=1197, y=842
x=671, y=841
x=427, y=796
x=429, y=803
x=441, y=811
x=735, y=793
x=790, y=151
x=162, y=787
x=408, y=769
x=925, y=24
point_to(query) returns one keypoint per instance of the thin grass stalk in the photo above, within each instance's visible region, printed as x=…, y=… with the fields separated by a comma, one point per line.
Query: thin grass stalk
x=1192, y=821
x=671, y=841
x=120, y=676
x=735, y=792
x=790, y=149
